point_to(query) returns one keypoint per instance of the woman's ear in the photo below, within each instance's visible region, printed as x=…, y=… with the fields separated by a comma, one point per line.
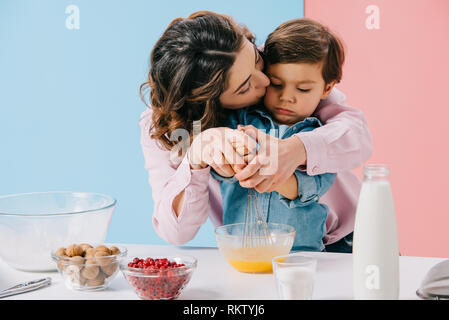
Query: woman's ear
x=327, y=89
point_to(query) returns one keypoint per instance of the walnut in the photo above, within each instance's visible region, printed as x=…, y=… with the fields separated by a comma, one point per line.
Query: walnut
x=114, y=250
x=104, y=249
x=62, y=264
x=74, y=250
x=103, y=258
x=85, y=246
x=73, y=273
x=60, y=252
x=110, y=268
x=77, y=261
x=89, y=253
x=82, y=281
x=98, y=281
x=90, y=270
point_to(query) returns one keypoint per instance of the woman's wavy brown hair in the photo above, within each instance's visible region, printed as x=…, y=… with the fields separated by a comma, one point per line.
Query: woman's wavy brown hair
x=189, y=67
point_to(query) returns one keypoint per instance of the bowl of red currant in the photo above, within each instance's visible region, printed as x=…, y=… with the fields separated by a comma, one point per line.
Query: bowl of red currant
x=159, y=278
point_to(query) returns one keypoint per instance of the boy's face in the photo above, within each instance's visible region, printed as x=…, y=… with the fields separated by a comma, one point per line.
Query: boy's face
x=295, y=90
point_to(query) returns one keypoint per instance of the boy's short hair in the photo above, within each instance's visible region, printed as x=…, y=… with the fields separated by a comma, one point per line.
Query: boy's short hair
x=306, y=40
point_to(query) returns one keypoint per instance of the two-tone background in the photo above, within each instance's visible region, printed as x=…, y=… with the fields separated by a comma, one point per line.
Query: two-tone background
x=69, y=106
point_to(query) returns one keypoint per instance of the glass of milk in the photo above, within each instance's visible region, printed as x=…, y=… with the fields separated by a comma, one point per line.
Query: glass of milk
x=294, y=276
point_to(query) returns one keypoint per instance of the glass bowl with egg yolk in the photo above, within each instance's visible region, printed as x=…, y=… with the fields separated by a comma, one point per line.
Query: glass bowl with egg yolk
x=253, y=252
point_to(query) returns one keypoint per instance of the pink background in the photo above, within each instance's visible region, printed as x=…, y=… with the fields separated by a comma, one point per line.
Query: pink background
x=397, y=75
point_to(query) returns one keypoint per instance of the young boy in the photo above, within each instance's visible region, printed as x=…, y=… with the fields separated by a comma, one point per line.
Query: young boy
x=303, y=62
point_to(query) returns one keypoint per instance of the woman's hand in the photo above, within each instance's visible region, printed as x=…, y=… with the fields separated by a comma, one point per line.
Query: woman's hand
x=226, y=150
x=275, y=162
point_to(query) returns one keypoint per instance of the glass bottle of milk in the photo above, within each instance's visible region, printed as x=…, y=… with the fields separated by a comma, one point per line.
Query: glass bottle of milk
x=375, y=243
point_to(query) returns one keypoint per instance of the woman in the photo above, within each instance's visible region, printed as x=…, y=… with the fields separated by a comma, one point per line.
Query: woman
x=201, y=67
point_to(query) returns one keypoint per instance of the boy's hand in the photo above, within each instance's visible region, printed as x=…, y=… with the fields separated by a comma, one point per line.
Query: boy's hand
x=275, y=162
x=225, y=150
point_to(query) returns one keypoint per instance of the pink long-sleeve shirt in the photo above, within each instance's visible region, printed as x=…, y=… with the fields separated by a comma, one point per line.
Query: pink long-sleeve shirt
x=342, y=144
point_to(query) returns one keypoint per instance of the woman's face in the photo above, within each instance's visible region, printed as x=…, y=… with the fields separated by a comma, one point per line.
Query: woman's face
x=246, y=81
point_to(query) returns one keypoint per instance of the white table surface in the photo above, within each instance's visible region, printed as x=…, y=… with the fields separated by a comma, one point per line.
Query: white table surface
x=215, y=279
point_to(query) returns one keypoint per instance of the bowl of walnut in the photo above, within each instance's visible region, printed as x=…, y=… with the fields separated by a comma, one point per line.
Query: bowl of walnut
x=88, y=268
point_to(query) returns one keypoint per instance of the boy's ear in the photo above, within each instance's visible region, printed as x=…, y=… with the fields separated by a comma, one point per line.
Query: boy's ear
x=327, y=89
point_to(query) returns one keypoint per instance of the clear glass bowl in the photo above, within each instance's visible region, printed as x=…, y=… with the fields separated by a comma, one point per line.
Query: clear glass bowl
x=250, y=251
x=160, y=284
x=32, y=224
x=89, y=274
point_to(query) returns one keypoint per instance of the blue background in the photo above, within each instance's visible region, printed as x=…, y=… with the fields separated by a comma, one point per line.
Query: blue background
x=69, y=103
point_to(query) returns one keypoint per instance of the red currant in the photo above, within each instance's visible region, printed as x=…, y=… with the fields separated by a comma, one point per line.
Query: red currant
x=166, y=285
